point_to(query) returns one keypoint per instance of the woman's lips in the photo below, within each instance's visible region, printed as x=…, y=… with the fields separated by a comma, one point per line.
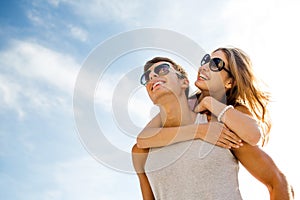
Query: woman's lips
x=202, y=77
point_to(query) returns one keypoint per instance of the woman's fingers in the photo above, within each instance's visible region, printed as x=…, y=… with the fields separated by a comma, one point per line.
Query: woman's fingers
x=232, y=137
x=229, y=139
x=223, y=137
x=199, y=108
x=221, y=144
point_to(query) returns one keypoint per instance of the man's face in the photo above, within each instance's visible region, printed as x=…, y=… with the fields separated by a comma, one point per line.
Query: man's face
x=163, y=81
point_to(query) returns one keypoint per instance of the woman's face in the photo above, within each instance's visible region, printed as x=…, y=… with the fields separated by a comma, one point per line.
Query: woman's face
x=214, y=82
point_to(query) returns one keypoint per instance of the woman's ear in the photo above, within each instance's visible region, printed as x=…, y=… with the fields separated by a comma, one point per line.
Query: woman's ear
x=229, y=83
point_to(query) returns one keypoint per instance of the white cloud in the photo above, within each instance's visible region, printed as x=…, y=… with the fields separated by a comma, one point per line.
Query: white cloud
x=78, y=33
x=84, y=178
x=10, y=92
x=54, y=2
x=34, y=76
x=32, y=60
x=34, y=17
x=71, y=179
x=141, y=108
x=111, y=94
x=105, y=91
x=105, y=10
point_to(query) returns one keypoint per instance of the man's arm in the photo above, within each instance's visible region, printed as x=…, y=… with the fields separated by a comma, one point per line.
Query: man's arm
x=263, y=168
x=139, y=157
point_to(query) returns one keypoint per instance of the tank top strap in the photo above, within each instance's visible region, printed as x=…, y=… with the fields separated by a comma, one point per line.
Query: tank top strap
x=201, y=119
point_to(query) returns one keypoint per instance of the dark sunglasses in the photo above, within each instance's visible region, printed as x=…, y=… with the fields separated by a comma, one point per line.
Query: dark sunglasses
x=161, y=70
x=215, y=64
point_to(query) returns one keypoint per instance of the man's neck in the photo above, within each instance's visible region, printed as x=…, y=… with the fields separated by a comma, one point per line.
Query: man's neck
x=176, y=112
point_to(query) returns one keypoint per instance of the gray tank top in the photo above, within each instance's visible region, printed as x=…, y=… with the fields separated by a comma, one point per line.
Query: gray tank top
x=193, y=170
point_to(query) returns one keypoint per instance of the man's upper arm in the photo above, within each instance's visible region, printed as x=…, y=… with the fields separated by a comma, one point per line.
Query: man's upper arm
x=139, y=157
x=257, y=162
x=263, y=168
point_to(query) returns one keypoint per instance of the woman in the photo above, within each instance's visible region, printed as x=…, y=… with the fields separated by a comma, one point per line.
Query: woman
x=239, y=88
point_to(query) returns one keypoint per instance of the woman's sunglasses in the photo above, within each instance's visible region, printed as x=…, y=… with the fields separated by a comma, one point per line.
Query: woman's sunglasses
x=215, y=64
x=161, y=70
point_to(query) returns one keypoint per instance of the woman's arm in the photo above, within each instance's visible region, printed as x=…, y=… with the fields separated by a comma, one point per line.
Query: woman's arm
x=238, y=120
x=216, y=133
x=139, y=157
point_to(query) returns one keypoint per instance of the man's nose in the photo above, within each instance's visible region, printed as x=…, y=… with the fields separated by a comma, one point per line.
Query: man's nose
x=152, y=76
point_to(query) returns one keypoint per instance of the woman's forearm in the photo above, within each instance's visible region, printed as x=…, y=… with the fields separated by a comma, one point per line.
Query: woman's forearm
x=238, y=120
x=243, y=125
x=212, y=132
x=159, y=137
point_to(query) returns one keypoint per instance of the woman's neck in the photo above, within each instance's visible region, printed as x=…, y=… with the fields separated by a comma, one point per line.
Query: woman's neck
x=218, y=96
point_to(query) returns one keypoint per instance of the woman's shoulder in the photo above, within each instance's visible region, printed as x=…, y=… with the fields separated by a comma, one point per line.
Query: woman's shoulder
x=242, y=108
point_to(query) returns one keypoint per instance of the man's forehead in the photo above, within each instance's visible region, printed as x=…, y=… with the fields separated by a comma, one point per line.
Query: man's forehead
x=159, y=63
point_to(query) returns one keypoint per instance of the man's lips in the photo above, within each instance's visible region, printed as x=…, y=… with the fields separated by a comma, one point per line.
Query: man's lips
x=157, y=84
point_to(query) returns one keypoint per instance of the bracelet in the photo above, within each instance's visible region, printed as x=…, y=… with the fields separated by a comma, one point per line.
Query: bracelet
x=223, y=112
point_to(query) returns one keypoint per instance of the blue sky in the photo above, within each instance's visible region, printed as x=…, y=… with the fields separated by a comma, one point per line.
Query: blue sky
x=43, y=46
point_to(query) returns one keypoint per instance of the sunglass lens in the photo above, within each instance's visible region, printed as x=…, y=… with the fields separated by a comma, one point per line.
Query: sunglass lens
x=145, y=78
x=162, y=69
x=205, y=59
x=216, y=64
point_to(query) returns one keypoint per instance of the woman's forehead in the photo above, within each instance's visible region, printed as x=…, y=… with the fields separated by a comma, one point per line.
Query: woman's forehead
x=219, y=54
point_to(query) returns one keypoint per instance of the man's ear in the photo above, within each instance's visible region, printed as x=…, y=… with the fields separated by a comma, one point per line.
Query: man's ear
x=186, y=83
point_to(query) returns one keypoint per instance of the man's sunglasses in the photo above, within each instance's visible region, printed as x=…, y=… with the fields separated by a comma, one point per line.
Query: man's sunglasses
x=161, y=70
x=215, y=64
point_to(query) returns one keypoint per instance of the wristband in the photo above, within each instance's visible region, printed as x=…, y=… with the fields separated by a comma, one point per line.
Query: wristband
x=223, y=112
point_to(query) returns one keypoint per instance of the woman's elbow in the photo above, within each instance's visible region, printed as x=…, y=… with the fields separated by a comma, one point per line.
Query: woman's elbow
x=254, y=137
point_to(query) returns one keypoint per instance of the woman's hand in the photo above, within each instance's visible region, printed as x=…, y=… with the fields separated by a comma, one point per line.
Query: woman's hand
x=218, y=134
x=203, y=106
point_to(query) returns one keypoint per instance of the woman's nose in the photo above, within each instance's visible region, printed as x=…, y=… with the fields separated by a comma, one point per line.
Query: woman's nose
x=204, y=67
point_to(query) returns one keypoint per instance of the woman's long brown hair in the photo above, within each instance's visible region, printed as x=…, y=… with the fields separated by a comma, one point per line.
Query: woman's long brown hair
x=246, y=89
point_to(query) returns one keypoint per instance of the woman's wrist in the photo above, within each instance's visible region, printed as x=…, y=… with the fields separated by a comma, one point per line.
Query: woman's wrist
x=207, y=103
x=213, y=105
x=222, y=113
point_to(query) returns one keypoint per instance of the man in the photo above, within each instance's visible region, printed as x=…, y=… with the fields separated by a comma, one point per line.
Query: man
x=186, y=177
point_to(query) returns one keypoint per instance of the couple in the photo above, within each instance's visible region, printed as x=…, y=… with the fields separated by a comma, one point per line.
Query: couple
x=190, y=149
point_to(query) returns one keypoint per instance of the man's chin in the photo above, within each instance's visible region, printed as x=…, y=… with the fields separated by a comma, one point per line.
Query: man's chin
x=156, y=98
x=159, y=95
